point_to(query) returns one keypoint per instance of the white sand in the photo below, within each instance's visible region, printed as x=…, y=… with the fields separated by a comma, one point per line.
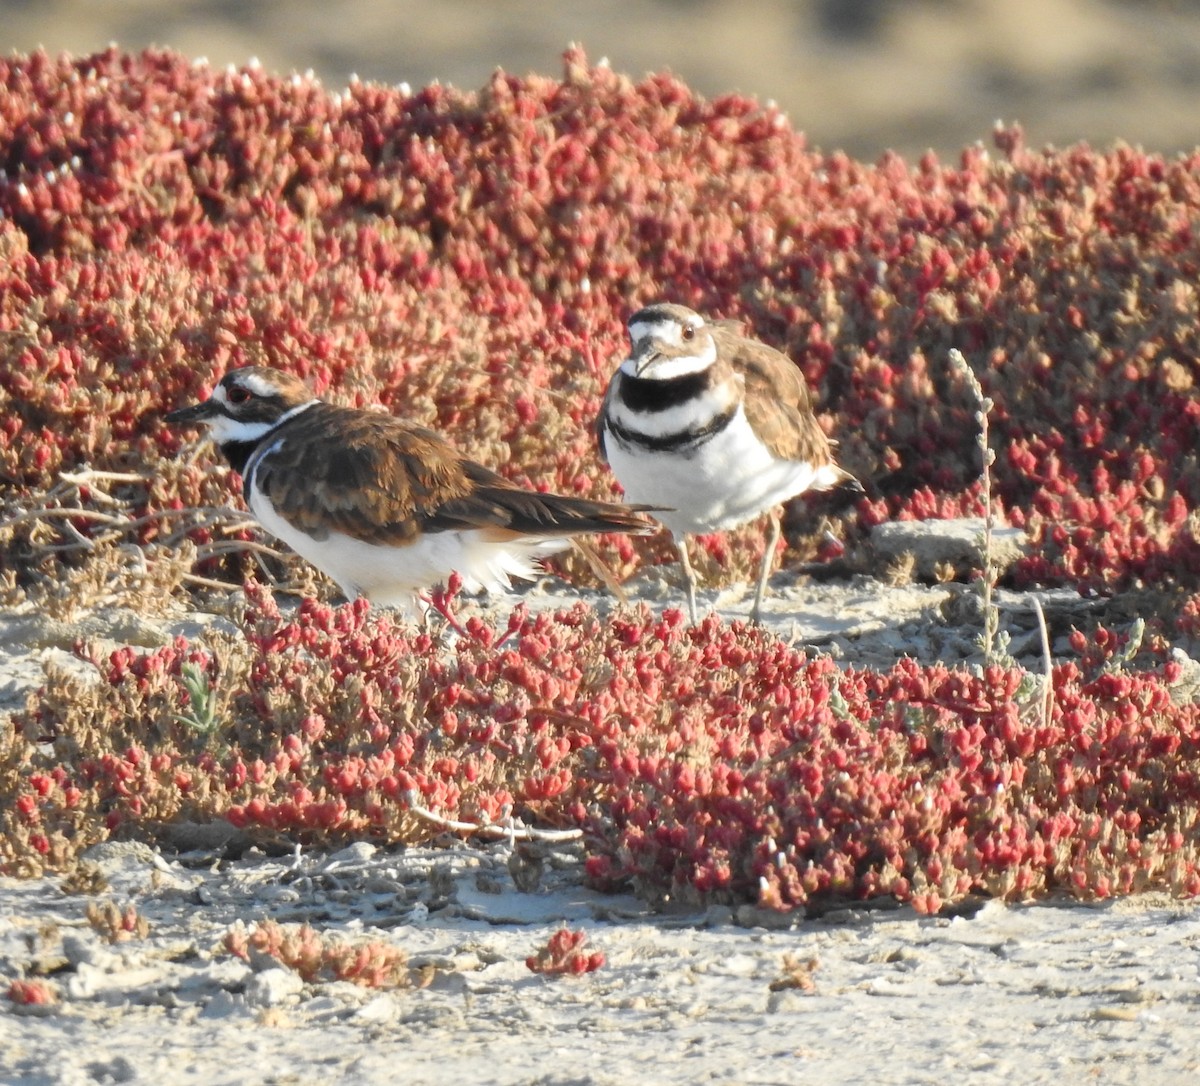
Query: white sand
x=1039, y=994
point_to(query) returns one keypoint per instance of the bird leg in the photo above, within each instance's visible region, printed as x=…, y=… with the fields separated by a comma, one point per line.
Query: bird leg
x=768, y=560
x=688, y=576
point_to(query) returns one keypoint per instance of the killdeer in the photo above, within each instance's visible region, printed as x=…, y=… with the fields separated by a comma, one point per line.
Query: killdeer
x=384, y=507
x=713, y=428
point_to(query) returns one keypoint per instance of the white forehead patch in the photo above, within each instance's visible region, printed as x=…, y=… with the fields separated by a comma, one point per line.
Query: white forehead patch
x=219, y=394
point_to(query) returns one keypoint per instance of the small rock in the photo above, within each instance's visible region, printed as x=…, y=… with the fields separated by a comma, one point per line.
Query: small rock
x=736, y=965
x=323, y=1007
x=86, y=949
x=272, y=987
x=379, y=1010
x=84, y=983
x=130, y=867
x=358, y=853
x=751, y=916
x=1115, y=1014
x=434, y=1016
x=1186, y=687
x=902, y=956
x=229, y=973
x=790, y=1001
x=217, y=837
x=116, y=1069
x=718, y=916
x=224, y=1005
x=881, y=986
x=938, y=544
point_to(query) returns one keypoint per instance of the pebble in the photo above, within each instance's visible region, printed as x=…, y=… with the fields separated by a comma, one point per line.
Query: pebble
x=273, y=987
x=224, y=1005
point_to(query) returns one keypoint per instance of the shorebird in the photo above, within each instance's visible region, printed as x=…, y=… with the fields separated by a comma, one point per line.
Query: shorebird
x=386, y=508
x=713, y=429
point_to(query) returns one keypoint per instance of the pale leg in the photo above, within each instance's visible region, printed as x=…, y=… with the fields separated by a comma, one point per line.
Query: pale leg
x=689, y=577
x=768, y=561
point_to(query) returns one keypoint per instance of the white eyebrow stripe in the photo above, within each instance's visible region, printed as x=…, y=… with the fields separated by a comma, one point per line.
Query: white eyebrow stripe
x=663, y=331
x=258, y=385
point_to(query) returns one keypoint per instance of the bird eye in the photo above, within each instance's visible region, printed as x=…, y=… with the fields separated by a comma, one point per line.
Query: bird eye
x=689, y=332
x=237, y=394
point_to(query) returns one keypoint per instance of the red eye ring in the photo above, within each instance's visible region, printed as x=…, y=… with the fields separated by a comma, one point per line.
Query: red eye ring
x=237, y=394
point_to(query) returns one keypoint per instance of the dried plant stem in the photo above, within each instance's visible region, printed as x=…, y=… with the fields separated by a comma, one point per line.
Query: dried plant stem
x=88, y=476
x=206, y=582
x=1047, y=664
x=991, y=613
x=61, y=506
x=236, y=546
x=52, y=513
x=213, y=515
x=494, y=829
x=600, y=569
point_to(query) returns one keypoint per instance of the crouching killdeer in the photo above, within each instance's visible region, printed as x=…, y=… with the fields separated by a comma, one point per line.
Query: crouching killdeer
x=712, y=428
x=384, y=507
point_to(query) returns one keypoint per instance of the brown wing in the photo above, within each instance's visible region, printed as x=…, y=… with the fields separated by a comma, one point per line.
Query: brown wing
x=384, y=481
x=495, y=503
x=778, y=404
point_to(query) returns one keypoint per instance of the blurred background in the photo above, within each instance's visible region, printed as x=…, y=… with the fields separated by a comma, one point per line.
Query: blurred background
x=856, y=75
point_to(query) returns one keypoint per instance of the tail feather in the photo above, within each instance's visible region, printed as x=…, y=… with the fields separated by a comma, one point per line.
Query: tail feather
x=506, y=509
x=844, y=482
x=572, y=516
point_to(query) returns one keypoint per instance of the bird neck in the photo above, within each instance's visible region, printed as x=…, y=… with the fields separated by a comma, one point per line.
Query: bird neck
x=239, y=452
x=239, y=448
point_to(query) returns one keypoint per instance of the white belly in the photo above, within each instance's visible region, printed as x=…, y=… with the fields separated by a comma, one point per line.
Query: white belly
x=725, y=482
x=394, y=576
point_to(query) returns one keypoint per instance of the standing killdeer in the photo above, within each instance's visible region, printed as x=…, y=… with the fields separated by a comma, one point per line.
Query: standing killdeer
x=384, y=507
x=713, y=428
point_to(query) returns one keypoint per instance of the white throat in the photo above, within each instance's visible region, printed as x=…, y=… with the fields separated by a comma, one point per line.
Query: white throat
x=668, y=369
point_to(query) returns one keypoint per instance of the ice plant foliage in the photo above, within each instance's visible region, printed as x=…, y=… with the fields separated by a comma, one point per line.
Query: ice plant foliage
x=33, y=993
x=317, y=957
x=117, y=925
x=468, y=260
x=564, y=956
x=706, y=763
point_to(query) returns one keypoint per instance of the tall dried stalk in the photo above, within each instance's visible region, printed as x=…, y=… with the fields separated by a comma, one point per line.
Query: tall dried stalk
x=991, y=613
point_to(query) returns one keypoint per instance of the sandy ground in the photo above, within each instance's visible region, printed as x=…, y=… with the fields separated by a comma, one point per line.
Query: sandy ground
x=1040, y=994
x=1053, y=993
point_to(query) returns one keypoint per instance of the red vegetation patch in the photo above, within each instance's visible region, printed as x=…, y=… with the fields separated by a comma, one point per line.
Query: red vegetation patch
x=710, y=763
x=317, y=957
x=468, y=259
x=32, y=993
x=563, y=955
